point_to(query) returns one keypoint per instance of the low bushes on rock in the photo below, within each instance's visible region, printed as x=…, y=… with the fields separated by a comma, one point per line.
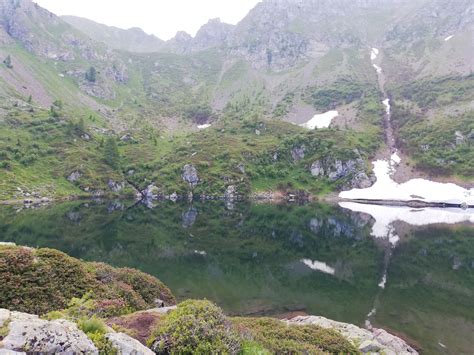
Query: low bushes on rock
x=279, y=337
x=43, y=280
x=195, y=327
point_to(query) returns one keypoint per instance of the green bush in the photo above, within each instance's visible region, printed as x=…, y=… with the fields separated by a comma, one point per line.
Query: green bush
x=195, y=327
x=95, y=329
x=278, y=337
x=44, y=280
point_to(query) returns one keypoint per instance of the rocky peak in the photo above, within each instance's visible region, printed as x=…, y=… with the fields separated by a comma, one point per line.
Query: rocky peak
x=213, y=34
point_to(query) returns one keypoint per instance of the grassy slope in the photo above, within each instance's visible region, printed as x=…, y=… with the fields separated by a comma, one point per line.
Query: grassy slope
x=427, y=114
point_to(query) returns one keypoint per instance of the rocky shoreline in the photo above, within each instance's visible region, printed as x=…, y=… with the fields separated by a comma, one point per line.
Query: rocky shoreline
x=22, y=333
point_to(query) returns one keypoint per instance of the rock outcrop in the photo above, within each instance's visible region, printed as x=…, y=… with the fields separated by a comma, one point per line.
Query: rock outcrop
x=126, y=345
x=338, y=169
x=29, y=333
x=298, y=153
x=190, y=175
x=26, y=333
x=376, y=341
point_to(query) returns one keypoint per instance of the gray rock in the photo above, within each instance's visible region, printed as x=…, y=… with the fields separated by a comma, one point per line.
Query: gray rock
x=28, y=333
x=74, y=176
x=241, y=168
x=315, y=225
x=126, y=345
x=460, y=139
x=115, y=186
x=10, y=352
x=297, y=153
x=336, y=169
x=127, y=138
x=230, y=192
x=366, y=340
x=151, y=192
x=115, y=206
x=189, y=218
x=190, y=175
x=317, y=169
x=173, y=197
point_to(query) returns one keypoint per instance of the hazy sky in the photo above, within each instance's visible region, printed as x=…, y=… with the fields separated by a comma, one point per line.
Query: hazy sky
x=160, y=17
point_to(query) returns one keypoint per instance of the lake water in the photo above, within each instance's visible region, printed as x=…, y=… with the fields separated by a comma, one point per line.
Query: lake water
x=274, y=259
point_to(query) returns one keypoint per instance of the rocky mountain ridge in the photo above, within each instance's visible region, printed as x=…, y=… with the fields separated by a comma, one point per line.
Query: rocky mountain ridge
x=250, y=84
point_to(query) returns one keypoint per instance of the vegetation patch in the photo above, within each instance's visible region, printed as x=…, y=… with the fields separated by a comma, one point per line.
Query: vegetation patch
x=42, y=280
x=342, y=91
x=279, y=337
x=195, y=327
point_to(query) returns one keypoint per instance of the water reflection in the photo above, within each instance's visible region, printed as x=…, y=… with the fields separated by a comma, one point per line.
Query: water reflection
x=266, y=259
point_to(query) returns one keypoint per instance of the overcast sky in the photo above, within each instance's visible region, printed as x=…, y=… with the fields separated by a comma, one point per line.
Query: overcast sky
x=160, y=17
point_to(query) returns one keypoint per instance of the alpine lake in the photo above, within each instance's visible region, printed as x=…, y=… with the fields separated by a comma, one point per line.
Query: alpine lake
x=267, y=259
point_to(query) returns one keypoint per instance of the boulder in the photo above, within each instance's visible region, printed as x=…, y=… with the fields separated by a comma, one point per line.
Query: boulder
x=297, y=153
x=151, y=192
x=28, y=333
x=189, y=218
x=126, y=345
x=459, y=137
x=127, y=138
x=230, y=192
x=174, y=197
x=74, y=176
x=337, y=169
x=241, y=168
x=190, y=175
x=115, y=186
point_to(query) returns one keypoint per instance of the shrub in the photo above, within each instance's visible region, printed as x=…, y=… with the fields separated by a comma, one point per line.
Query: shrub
x=95, y=329
x=278, y=337
x=195, y=327
x=91, y=75
x=44, y=280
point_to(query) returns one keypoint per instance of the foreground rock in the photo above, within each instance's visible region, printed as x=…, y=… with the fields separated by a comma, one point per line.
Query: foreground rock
x=376, y=341
x=28, y=333
x=127, y=345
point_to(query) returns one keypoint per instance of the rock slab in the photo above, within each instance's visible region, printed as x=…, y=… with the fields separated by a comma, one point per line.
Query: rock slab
x=126, y=345
x=28, y=333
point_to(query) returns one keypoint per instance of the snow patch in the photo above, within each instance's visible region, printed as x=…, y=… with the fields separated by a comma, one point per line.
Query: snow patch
x=200, y=252
x=318, y=266
x=384, y=281
x=395, y=158
x=385, y=216
x=322, y=120
x=416, y=189
x=377, y=68
x=374, y=53
x=204, y=126
x=448, y=38
x=387, y=105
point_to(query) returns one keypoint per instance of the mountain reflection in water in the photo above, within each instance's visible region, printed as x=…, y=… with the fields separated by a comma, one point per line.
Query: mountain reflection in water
x=273, y=259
